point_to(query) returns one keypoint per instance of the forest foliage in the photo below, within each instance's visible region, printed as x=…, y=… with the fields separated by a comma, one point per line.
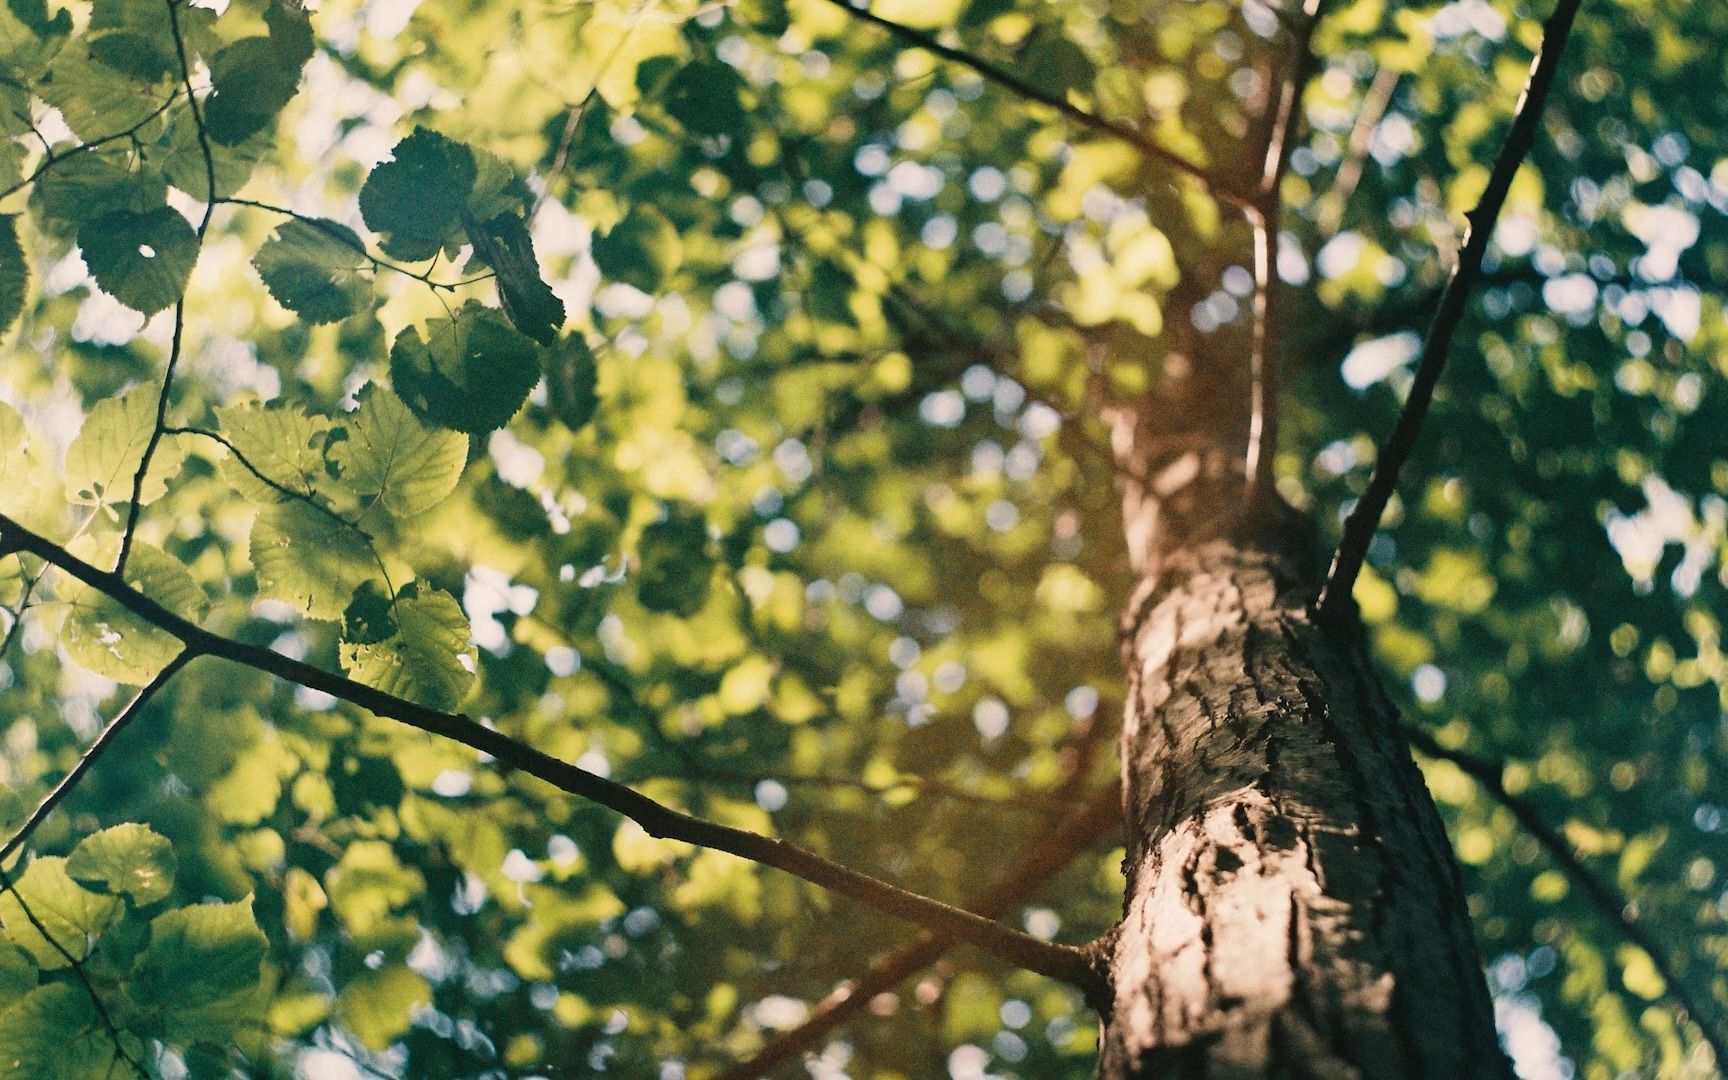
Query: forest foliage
x=709, y=395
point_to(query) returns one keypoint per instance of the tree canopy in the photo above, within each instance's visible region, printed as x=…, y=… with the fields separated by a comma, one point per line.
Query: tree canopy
x=432, y=430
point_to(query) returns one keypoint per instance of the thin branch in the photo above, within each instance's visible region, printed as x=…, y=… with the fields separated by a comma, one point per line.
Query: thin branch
x=340, y=236
x=1374, y=105
x=51, y=159
x=1067, y=963
x=1365, y=518
x=120, y=1054
x=135, y=507
x=1034, y=867
x=1611, y=906
x=102, y=743
x=1215, y=186
x=274, y=485
x=1265, y=218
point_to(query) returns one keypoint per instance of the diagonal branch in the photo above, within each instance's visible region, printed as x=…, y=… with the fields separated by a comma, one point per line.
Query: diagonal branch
x=1365, y=518
x=1067, y=963
x=1613, y=908
x=1006, y=79
x=102, y=743
x=1034, y=867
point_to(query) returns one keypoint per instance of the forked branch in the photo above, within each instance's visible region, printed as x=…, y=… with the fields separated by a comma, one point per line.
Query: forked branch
x=1395, y=451
x=1064, y=962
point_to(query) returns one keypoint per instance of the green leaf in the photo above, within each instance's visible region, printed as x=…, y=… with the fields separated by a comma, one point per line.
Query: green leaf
x=103, y=460
x=367, y=619
x=675, y=566
x=472, y=375
x=415, y=200
x=642, y=250
x=95, y=104
x=428, y=659
x=282, y=441
x=253, y=79
x=378, y=1006
x=72, y=916
x=503, y=244
x=14, y=274
x=102, y=636
x=305, y=558
x=703, y=96
x=142, y=260
x=392, y=458
x=134, y=39
x=86, y=186
x=572, y=379
x=18, y=973
x=180, y=156
x=53, y=1031
x=29, y=39
x=316, y=269
x=200, y=956
x=129, y=859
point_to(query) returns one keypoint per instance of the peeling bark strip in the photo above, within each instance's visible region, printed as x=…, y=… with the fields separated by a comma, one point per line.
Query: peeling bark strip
x=1293, y=906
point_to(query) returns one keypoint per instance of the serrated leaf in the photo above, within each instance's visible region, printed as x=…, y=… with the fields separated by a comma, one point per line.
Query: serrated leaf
x=316, y=269
x=128, y=859
x=422, y=660
x=101, y=636
x=378, y=1006
x=134, y=39
x=201, y=956
x=472, y=375
x=72, y=915
x=391, y=458
x=572, y=379
x=103, y=460
x=54, y=1031
x=181, y=158
x=83, y=187
x=14, y=273
x=253, y=79
x=142, y=260
x=283, y=442
x=503, y=244
x=415, y=200
x=305, y=558
x=642, y=250
x=674, y=569
x=95, y=104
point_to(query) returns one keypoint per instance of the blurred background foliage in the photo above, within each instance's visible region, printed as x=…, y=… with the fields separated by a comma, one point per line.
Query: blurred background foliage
x=812, y=530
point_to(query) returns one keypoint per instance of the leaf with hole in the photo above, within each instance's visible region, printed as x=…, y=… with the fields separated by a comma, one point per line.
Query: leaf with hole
x=142, y=260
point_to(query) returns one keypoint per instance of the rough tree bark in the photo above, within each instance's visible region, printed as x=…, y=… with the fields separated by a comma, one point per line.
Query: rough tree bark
x=1293, y=906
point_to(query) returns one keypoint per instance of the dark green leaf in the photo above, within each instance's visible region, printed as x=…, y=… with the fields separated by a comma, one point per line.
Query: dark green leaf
x=503, y=244
x=255, y=78
x=142, y=260
x=90, y=185
x=199, y=955
x=14, y=274
x=471, y=375
x=674, y=572
x=642, y=250
x=571, y=382
x=415, y=200
x=367, y=620
x=315, y=269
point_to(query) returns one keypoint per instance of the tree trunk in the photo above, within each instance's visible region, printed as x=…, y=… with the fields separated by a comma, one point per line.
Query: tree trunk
x=1293, y=906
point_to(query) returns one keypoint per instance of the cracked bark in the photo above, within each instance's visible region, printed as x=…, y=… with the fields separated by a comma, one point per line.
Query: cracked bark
x=1293, y=905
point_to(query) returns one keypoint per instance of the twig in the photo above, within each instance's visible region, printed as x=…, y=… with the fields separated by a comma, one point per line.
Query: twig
x=102, y=743
x=135, y=507
x=51, y=159
x=1365, y=518
x=1032, y=869
x=1612, y=907
x=77, y=967
x=378, y=262
x=1115, y=129
x=1067, y=963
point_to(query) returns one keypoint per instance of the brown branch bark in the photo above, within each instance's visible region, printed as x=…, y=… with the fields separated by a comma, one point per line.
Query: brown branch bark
x=1031, y=870
x=1066, y=963
x=1395, y=451
x=1609, y=904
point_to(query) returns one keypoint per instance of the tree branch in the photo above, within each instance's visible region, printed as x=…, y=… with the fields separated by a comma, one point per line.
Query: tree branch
x=1610, y=905
x=1008, y=80
x=102, y=743
x=1365, y=518
x=1064, y=962
x=378, y=262
x=1035, y=866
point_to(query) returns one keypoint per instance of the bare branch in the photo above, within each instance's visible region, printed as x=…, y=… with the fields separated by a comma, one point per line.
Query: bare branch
x=102, y=743
x=1610, y=905
x=1001, y=76
x=1365, y=518
x=1035, y=866
x=1067, y=963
